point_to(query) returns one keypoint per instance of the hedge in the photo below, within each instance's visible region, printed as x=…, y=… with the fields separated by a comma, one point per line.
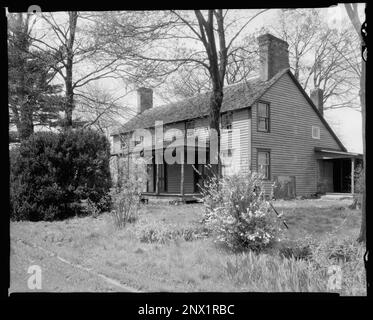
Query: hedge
x=50, y=173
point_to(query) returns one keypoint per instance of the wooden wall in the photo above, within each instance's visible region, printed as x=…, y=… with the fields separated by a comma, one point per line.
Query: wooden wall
x=290, y=138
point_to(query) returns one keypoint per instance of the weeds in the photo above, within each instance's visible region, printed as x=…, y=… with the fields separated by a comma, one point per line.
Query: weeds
x=161, y=233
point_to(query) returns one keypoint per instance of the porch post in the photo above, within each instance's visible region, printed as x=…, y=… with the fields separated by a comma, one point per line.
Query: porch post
x=352, y=175
x=157, y=178
x=182, y=180
x=182, y=165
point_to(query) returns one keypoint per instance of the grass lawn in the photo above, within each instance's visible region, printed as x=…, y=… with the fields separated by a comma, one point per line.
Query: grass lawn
x=142, y=256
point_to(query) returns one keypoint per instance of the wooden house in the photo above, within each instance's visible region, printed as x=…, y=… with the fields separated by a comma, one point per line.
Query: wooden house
x=281, y=133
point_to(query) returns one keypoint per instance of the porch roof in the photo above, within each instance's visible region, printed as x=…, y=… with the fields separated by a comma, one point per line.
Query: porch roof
x=198, y=146
x=326, y=153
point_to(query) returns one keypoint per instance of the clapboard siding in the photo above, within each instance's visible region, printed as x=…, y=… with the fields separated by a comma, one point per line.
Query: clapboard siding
x=241, y=122
x=290, y=138
x=240, y=143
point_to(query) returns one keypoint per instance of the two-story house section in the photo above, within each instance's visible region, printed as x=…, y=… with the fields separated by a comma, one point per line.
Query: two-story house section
x=269, y=124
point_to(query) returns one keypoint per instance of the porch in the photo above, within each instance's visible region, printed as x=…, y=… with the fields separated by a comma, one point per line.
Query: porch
x=336, y=171
x=171, y=197
x=179, y=181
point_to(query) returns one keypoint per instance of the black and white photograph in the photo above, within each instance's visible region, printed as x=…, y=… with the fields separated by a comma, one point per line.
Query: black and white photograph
x=187, y=151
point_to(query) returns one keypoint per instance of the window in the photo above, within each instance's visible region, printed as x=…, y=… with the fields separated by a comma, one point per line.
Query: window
x=190, y=126
x=226, y=120
x=264, y=162
x=123, y=142
x=139, y=140
x=226, y=126
x=263, y=116
x=315, y=132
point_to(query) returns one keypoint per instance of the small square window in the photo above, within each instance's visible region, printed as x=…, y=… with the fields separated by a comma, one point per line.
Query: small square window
x=315, y=132
x=139, y=140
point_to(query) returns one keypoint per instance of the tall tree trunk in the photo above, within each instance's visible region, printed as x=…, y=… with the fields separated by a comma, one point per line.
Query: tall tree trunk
x=26, y=126
x=69, y=104
x=216, y=100
x=362, y=236
x=353, y=14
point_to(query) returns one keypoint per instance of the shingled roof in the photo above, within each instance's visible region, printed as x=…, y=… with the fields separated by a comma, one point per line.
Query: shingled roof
x=236, y=96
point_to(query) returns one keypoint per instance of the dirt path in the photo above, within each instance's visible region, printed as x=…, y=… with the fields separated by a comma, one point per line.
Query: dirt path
x=57, y=274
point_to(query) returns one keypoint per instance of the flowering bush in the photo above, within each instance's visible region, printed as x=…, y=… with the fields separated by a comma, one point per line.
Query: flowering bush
x=237, y=212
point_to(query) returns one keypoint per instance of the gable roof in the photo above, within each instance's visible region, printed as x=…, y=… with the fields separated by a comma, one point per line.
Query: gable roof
x=326, y=124
x=237, y=96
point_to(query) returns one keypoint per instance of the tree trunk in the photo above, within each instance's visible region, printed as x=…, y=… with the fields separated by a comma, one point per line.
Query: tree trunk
x=216, y=100
x=69, y=106
x=26, y=125
x=362, y=235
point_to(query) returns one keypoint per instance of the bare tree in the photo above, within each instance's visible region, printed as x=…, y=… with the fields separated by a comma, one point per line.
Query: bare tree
x=353, y=13
x=210, y=37
x=194, y=79
x=102, y=110
x=318, y=56
x=73, y=55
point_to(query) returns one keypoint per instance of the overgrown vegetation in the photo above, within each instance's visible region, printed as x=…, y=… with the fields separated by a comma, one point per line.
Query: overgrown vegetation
x=173, y=260
x=51, y=173
x=237, y=212
x=130, y=179
x=308, y=272
x=161, y=233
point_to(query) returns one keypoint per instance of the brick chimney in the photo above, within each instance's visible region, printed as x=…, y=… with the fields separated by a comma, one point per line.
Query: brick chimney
x=274, y=55
x=317, y=96
x=144, y=99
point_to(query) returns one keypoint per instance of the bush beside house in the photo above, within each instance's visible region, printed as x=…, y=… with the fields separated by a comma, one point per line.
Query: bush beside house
x=50, y=173
x=238, y=214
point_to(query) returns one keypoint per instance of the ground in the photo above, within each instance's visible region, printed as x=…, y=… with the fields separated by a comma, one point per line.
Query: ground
x=164, y=250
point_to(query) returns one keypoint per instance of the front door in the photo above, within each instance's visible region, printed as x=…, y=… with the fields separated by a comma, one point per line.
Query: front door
x=342, y=175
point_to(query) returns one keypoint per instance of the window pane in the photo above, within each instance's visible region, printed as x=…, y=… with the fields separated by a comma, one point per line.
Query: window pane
x=262, y=124
x=226, y=120
x=263, y=163
x=263, y=170
x=263, y=157
x=262, y=110
x=315, y=132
